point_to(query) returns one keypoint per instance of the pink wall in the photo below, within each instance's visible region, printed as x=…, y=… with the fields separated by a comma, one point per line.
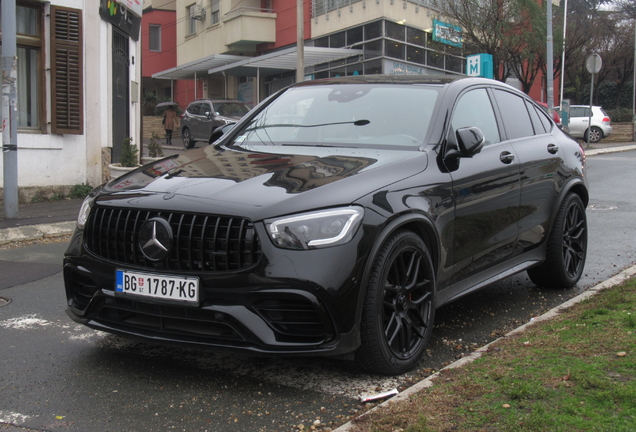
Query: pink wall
x=184, y=92
x=153, y=62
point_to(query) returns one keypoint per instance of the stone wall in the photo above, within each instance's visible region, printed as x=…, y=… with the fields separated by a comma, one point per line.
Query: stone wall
x=153, y=124
x=621, y=132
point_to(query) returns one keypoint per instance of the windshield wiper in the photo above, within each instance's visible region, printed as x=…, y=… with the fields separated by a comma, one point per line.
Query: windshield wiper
x=362, y=122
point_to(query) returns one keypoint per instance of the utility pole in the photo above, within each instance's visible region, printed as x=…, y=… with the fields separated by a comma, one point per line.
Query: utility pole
x=550, y=61
x=9, y=112
x=300, y=42
x=634, y=84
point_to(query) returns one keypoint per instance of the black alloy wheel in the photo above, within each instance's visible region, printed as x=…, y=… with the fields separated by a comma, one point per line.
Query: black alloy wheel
x=399, y=309
x=566, y=248
x=595, y=134
x=187, y=139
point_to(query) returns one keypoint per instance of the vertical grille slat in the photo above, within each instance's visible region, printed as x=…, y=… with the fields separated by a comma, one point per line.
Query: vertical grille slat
x=203, y=228
x=213, y=246
x=228, y=236
x=128, y=242
x=200, y=242
x=109, y=234
x=117, y=236
x=190, y=248
x=240, y=243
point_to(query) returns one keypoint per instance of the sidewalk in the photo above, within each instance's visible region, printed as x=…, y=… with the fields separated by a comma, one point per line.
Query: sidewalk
x=57, y=218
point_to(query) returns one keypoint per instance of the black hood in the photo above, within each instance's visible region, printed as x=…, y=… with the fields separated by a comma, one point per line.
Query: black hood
x=260, y=183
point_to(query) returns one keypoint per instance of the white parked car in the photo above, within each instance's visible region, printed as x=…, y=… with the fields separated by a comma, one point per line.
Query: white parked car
x=601, y=126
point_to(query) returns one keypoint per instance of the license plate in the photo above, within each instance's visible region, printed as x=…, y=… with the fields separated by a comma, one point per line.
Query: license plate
x=157, y=286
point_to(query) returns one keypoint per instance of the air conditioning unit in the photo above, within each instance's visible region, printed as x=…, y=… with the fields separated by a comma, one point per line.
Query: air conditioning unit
x=199, y=13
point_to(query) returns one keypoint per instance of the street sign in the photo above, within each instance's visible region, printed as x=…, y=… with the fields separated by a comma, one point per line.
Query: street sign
x=593, y=63
x=479, y=65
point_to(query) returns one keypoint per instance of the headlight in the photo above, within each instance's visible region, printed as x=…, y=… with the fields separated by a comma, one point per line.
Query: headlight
x=317, y=229
x=85, y=209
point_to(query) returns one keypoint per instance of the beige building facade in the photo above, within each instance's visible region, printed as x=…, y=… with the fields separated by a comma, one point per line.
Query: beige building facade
x=246, y=49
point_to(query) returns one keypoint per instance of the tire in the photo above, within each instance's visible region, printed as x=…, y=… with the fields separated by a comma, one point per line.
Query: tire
x=596, y=134
x=399, y=307
x=566, y=249
x=188, y=142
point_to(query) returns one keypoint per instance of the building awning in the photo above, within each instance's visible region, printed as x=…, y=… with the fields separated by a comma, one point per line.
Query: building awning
x=283, y=60
x=199, y=67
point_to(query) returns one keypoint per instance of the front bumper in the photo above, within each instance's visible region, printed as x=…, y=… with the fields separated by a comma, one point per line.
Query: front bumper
x=270, y=308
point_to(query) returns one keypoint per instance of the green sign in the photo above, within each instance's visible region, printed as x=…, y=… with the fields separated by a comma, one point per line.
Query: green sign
x=447, y=33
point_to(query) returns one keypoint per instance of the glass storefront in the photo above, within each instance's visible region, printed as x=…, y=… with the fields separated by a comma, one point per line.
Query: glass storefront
x=384, y=43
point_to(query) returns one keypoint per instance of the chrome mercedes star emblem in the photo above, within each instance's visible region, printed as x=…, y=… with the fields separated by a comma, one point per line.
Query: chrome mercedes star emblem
x=155, y=239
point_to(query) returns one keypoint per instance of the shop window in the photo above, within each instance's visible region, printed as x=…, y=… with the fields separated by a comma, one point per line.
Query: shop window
x=337, y=40
x=415, y=36
x=354, y=36
x=435, y=59
x=322, y=42
x=373, y=30
x=395, y=31
x=373, y=67
x=395, y=50
x=415, y=54
x=373, y=49
x=454, y=64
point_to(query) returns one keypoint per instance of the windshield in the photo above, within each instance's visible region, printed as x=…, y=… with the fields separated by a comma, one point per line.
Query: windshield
x=357, y=115
x=230, y=109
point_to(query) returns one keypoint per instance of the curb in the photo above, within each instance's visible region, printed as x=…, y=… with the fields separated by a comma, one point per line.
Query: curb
x=35, y=232
x=610, y=150
x=428, y=382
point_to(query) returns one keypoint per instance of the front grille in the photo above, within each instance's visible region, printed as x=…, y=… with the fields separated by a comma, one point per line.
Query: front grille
x=200, y=242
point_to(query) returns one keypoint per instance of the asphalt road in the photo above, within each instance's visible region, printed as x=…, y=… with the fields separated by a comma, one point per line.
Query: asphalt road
x=59, y=376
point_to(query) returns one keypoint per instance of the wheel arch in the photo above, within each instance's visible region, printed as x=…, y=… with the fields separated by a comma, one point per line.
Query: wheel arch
x=418, y=223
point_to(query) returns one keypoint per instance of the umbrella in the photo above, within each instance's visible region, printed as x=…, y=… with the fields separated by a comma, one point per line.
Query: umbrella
x=166, y=104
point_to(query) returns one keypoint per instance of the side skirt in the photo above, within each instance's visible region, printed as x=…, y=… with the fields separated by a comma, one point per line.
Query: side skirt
x=480, y=280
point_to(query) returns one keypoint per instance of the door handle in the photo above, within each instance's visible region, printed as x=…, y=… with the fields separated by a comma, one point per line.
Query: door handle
x=553, y=149
x=506, y=157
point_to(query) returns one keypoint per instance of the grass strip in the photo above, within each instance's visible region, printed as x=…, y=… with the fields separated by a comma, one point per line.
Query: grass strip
x=576, y=372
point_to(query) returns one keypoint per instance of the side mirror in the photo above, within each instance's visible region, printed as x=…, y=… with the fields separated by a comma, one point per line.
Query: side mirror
x=466, y=142
x=219, y=132
x=470, y=140
x=208, y=114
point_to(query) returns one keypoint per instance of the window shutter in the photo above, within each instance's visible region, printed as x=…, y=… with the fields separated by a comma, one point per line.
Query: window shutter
x=67, y=76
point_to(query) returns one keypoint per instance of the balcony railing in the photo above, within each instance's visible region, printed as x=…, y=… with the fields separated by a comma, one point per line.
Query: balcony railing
x=247, y=11
x=321, y=7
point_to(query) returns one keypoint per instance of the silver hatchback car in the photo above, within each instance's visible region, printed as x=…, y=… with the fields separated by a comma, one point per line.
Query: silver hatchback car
x=601, y=126
x=204, y=116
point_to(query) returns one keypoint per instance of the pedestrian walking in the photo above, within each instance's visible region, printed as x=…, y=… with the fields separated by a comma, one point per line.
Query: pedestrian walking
x=170, y=122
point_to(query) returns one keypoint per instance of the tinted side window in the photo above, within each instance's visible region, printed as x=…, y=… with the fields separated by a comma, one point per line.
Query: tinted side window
x=539, y=127
x=515, y=115
x=194, y=108
x=475, y=109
